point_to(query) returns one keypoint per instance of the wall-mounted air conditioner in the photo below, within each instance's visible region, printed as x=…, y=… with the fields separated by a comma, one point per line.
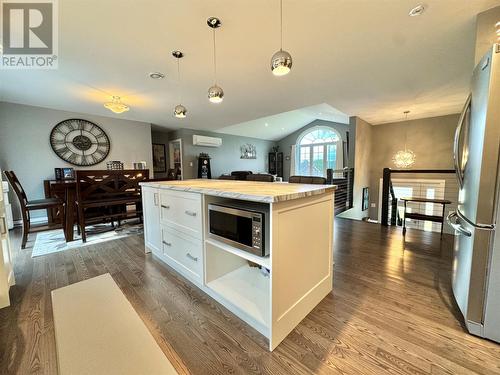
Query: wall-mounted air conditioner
x=201, y=140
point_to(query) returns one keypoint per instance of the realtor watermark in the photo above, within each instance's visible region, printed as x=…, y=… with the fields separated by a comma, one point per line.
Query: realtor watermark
x=29, y=34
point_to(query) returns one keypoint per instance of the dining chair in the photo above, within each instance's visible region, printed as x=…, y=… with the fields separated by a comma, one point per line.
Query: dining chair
x=108, y=196
x=226, y=177
x=31, y=205
x=260, y=177
x=315, y=180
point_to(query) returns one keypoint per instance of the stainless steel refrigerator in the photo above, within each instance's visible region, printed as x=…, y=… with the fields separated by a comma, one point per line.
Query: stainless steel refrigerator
x=476, y=261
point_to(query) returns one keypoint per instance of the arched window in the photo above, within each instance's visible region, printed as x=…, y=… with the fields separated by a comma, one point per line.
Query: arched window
x=318, y=149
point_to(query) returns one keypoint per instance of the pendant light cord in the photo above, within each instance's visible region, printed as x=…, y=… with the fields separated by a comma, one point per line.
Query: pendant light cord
x=215, y=59
x=406, y=127
x=281, y=25
x=179, y=79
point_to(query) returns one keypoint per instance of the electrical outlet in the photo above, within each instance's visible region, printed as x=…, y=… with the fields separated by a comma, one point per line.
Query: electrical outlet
x=373, y=205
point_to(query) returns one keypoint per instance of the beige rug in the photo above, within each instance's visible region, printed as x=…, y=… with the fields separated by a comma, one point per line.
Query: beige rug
x=98, y=332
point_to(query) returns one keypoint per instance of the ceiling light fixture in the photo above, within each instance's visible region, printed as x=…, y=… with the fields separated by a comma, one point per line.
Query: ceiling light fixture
x=116, y=105
x=156, y=75
x=215, y=93
x=281, y=62
x=417, y=11
x=404, y=158
x=497, y=26
x=179, y=110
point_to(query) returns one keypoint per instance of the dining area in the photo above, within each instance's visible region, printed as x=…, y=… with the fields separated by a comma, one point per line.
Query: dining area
x=82, y=202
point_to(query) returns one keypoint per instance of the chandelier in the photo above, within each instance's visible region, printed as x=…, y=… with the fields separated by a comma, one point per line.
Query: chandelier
x=116, y=105
x=404, y=158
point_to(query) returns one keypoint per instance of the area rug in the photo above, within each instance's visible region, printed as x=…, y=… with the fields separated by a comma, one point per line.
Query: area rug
x=53, y=241
x=98, y=332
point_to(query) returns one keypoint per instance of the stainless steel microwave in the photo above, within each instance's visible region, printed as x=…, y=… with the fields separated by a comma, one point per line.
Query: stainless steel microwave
x=242, y=225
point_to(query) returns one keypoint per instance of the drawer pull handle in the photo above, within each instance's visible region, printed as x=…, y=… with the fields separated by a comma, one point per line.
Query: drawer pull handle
x=165, y=207
x=192, y=257
x=190, y=213
x=167, y=243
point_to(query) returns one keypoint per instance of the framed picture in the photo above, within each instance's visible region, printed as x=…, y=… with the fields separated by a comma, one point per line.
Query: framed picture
x=175, y=157
x=366, y=199
x=159, y=158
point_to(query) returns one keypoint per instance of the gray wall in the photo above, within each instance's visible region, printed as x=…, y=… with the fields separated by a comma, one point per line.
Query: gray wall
x=430, y=138
x=225, y=158
x=363, y=151
x=25, y=147
x=286, y=143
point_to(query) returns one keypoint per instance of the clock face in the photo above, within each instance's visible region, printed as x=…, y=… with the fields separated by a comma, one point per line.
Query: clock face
x=79, y=142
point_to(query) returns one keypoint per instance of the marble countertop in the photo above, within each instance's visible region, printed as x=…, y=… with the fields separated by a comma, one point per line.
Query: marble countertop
x=268, y=192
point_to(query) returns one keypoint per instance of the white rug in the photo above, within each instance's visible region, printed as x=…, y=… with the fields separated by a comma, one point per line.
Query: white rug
x=98, y=332
x=53, y=241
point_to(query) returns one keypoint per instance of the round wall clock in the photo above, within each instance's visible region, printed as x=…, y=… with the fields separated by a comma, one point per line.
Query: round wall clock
x=79, y=142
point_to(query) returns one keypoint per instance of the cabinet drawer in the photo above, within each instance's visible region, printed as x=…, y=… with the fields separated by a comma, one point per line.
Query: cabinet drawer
x=184, y=252
x=182, y=211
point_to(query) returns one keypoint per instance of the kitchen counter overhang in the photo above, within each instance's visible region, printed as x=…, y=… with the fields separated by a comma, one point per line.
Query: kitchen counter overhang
x=265, y=192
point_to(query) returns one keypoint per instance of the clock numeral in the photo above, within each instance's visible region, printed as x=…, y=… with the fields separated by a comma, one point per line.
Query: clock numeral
x=63, y=150
x=72, y=158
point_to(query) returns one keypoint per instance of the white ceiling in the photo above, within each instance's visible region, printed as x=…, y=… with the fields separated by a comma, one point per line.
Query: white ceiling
x=276, y=127
x=363, y=57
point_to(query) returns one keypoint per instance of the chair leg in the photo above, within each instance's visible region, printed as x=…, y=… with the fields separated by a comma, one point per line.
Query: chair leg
x=26, y=230
x=62, y=213
x=25, y=237
x=81, y=223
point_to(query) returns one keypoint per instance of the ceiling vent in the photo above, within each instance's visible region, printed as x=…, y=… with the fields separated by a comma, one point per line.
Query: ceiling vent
x=200, y=140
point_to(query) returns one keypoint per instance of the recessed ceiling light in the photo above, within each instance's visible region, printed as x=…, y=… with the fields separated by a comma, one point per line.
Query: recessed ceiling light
x=417, y=11
x=156, y=75
x=282, y=128
x=266, y=124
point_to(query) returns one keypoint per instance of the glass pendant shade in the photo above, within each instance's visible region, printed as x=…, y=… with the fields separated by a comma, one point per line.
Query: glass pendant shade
x=404, y=159
x=180, y=111
x=281, y=63
x=215, y=94
x=116, y=105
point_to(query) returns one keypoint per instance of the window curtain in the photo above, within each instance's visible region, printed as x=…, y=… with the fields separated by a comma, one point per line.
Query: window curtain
x=293, y=157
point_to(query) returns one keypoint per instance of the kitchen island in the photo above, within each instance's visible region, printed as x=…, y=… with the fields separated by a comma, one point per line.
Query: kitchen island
x=272, y=293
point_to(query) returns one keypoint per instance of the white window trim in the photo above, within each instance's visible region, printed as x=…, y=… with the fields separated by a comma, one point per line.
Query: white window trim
x=310, y=130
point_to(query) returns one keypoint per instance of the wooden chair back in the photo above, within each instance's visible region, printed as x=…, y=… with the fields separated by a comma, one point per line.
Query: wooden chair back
x=307, y=180
x=227, y=177
x=260, y=177
x=95, y=185
x=18, y=188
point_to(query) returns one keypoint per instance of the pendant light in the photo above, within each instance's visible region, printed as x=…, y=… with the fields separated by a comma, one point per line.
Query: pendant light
x=404, y=158
x=116, y=105
x=215, y=93
x=281, y=62
x=179, y=110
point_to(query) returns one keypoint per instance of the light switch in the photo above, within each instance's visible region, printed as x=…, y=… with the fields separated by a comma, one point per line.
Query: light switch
x=373, y=205
x=190, y=163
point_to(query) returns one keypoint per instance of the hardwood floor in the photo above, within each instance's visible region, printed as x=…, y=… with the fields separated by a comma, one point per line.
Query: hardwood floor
x=391, y=311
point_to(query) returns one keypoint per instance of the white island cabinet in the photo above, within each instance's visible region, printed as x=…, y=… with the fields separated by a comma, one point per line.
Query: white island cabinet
x=272, y=293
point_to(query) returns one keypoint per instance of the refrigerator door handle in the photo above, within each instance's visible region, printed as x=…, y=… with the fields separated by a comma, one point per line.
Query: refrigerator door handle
x=453, y=223
x=475, y=225
x=456, y=142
